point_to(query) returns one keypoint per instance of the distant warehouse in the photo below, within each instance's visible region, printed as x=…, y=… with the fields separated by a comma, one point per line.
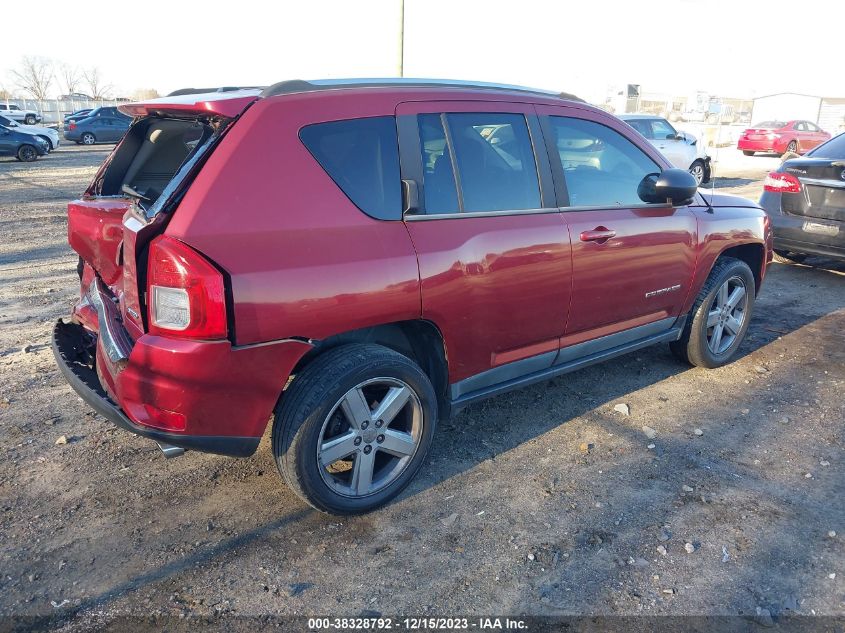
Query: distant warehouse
x=826, y=112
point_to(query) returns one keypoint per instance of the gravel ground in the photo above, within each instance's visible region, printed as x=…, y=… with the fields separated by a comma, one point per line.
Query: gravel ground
x=548, y=500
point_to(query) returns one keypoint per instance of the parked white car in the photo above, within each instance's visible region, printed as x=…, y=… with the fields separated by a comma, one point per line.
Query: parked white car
x=16, y=113
x=48, y=134
x=681, y=148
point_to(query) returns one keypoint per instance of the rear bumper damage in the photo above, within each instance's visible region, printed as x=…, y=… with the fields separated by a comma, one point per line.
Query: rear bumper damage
x=72, y=349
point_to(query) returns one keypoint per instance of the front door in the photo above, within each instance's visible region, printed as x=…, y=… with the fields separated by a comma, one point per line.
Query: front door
x=632, y=262
x=493, y=248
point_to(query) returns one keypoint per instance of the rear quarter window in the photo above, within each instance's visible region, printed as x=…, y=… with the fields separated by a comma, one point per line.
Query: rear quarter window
x=362, y=157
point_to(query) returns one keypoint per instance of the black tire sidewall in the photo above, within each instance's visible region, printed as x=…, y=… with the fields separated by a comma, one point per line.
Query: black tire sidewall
x=297, y=449
x=21, y=156
x=699, y=327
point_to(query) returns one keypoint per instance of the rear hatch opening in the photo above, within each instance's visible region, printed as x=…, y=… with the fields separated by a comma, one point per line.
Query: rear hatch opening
x=132, y=197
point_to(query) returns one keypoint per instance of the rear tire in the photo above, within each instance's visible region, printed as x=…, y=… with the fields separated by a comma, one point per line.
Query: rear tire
x=748, y=152
x=27, y=153
x=88, y=139
x=792, y=148
x=29, y=119
x=788, y=257
x=374, y=455
x=719, y=319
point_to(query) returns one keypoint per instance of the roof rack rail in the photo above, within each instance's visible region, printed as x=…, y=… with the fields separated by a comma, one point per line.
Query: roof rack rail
x=197, y=91
x=293, y=86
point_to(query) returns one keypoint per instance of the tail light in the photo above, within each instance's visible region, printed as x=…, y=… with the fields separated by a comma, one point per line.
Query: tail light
x=72, y=125
x=186, y=293
x=781, y=183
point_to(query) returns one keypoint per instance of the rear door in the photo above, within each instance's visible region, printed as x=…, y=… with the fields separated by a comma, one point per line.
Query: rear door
x=493, y=249
x=632, y=262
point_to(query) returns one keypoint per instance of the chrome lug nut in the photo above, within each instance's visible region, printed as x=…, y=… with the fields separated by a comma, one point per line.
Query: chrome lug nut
x=380, y=439
x=357, y=441
x=364, y=425
x=368, y=449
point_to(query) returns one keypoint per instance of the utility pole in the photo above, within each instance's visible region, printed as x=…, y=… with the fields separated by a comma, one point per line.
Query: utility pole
x=401, y=38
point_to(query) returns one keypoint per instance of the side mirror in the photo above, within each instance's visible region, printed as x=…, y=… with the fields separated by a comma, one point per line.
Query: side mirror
x=675, y=186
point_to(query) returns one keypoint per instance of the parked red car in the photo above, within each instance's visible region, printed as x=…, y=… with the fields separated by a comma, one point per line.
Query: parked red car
x=796, y=137
x=358, y=260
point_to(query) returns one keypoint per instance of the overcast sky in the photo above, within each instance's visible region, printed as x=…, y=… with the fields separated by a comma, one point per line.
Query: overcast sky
x=731, y=48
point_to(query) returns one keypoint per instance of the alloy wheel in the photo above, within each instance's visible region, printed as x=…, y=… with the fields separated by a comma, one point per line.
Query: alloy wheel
x=369, y=437
x=88, y=139
x=697, y=171
x=727, y=315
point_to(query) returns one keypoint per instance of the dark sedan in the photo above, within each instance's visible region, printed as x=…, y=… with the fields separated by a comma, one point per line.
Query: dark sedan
x=24, y=147
x=98, y=129
x=805, y=200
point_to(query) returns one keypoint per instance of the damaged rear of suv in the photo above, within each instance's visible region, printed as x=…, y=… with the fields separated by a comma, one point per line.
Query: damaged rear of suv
x=148, y=344
x=355, y=260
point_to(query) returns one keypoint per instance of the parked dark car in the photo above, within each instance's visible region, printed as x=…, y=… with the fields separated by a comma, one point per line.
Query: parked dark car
x=76, y=116
x=24, y=147
x=357, y=260
x=97, y=129
x=105, y=111
x=805, y=199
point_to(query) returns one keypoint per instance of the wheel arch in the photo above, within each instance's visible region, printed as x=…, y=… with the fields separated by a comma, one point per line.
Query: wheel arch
x=418, y=339
x=753, y=254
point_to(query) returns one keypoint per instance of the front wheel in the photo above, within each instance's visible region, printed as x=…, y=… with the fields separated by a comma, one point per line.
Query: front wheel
x=719, y=318
x=88, y=139
x=353, y=428
x=698, y=171
x=27, y=153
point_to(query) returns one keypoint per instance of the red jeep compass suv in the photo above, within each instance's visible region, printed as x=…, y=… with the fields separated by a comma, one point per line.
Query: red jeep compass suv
x=356, y=260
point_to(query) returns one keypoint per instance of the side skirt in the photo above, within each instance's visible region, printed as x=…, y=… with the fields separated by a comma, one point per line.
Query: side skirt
x=523, y=373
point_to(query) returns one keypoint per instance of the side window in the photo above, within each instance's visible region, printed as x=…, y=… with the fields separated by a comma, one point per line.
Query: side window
x=799, y=126
x=440, y=194
x=662, y=130
x=600, y=166
x=495, y=161
x=362, y=157
x=642, y=126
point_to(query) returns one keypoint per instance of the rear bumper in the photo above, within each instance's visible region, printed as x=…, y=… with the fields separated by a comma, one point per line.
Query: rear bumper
x=71, y=347
x=757, y=145
x=790, y=234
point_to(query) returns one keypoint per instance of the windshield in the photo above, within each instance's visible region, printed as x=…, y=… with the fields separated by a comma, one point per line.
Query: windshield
x=833, y=149
x=770, y=125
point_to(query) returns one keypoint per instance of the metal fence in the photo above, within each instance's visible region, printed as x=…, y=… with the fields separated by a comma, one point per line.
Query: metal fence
x=53, y=111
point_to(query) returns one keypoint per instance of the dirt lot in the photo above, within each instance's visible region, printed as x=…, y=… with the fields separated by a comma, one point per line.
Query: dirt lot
x=508, y=516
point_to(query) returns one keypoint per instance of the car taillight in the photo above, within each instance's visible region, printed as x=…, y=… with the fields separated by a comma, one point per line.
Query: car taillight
x=186, y=295
x=72, y=125
x=781, y=183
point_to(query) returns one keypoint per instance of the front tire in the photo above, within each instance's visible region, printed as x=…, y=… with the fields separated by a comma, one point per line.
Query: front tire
x=88, y=139
x=353, y=428
x=698, y=171
x=719, y=318
x=27, y=153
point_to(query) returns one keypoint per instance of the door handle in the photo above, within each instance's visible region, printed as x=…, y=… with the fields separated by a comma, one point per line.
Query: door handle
x=599, y=234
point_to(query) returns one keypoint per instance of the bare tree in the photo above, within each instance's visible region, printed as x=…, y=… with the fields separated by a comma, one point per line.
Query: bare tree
x=97, y=86
x=145, y=93
x=71, y=77
x=35, y=76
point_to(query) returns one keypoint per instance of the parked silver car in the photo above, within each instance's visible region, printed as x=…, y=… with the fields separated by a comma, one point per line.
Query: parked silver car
x=681, y=148
x=48, y=134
